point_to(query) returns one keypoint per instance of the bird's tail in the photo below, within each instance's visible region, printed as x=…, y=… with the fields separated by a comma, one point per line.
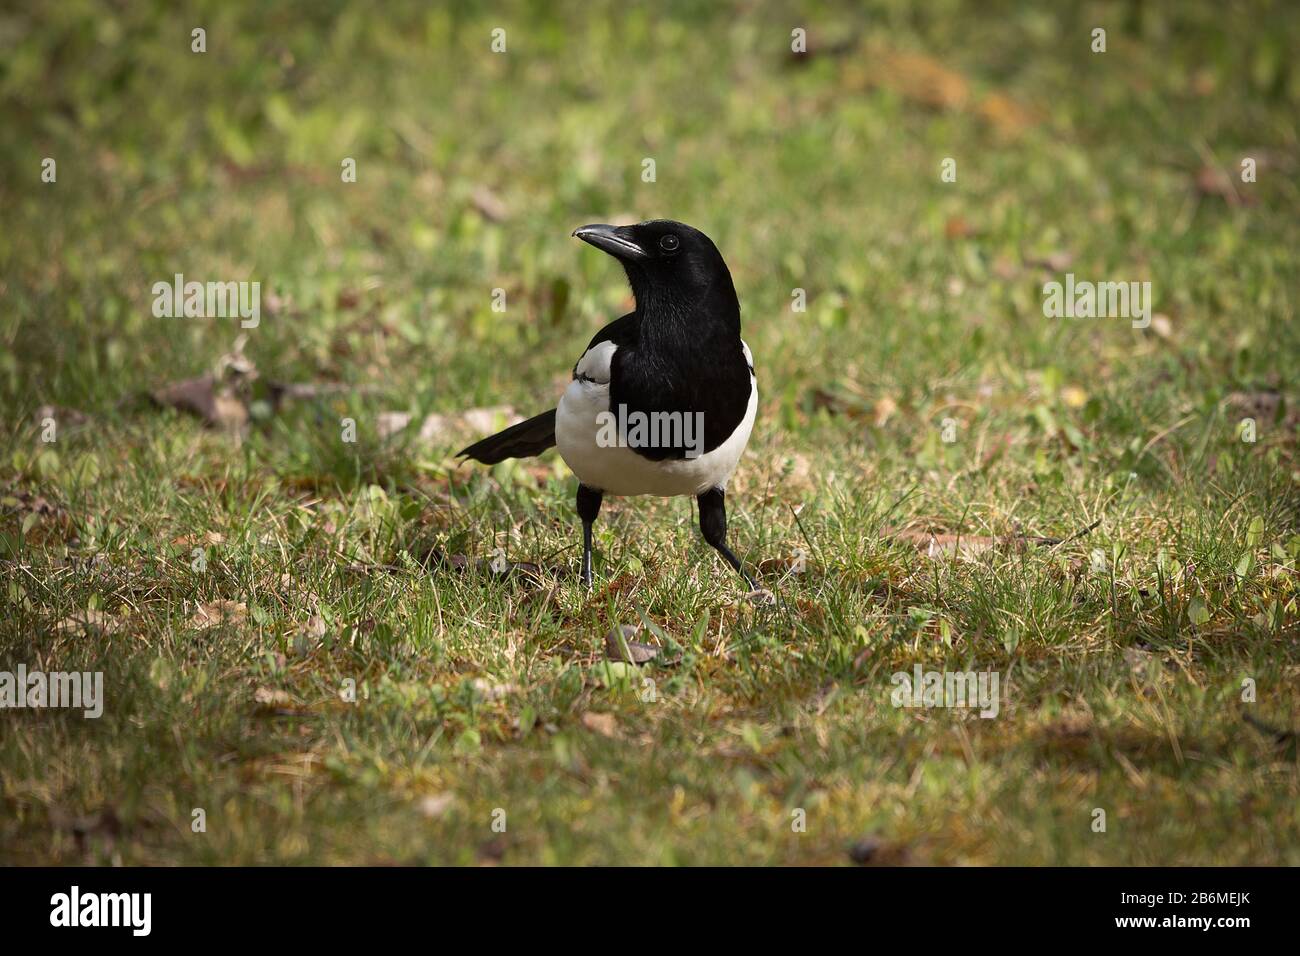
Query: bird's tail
x=524, y=440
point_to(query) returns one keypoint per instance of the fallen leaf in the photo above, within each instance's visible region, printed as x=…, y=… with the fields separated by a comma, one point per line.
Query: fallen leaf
x=1008, y=117
x=90, y=622
x=958, y=228
x=437, y=428
x=884, y=410
x=1263, y=405
x=209, y=538
x=308, y=637
x=491, y=691
x=637, y=652
x=936, y=544
x=921, y=79
x=604, y=724
x=796, y=564
x=217, y=405
x=272, y=698
x=219, y=612
x=435, y=805
x=25, y=503
x=390, y=423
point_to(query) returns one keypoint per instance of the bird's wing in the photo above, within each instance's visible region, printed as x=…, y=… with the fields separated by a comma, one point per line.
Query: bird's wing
x=595, y=363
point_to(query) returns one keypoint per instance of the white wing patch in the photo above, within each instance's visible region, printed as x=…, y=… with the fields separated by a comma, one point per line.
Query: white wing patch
x=595, y=362
x=749, y=356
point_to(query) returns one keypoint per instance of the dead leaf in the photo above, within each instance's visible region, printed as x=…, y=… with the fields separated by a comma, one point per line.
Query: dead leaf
x=438, y=428
x=921, y=79
x=1263, y=405
x=219, y=612
x=390, y=423
x=958, y=228
x=217, y=405
x=604, y=724
x=297, y=591
x=207, y=538
x=90, y=622
x=273, y=698
x=937, y=545
x=792, y=565
x=1008, y=117
x=435, y=805
x=487, y=419
x=637, y=652
x=491, y=691
x=837, y=402
x=308, y=637
x=235, y=366
x=25, y=502
x=884, y=410
x=1138, y=660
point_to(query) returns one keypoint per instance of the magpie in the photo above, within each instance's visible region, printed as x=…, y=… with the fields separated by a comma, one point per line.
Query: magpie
x=664, y=398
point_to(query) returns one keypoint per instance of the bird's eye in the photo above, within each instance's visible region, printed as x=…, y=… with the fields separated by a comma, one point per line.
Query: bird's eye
x=669, y=243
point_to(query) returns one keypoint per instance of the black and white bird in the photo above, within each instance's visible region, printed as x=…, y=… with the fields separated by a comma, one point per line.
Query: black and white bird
x=663, y=400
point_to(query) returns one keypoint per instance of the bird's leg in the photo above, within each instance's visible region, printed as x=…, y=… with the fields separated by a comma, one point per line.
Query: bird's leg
x=588, y=508
x=713, y=524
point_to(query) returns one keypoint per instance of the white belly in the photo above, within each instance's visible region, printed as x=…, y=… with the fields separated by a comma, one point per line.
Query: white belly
x=618, y=470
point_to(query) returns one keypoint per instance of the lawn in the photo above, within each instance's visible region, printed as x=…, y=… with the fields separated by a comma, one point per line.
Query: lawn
x=310, y=651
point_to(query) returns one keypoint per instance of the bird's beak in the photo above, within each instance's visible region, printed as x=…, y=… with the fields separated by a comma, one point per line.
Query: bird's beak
x=611, y=239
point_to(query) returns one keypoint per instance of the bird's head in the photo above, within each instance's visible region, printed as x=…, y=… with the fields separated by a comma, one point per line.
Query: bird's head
x=667, y=263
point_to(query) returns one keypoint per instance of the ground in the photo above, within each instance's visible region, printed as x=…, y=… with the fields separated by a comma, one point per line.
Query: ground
x=309, y=655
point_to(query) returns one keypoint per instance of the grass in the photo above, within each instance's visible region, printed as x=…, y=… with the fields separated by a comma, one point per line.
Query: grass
x=1121, y=653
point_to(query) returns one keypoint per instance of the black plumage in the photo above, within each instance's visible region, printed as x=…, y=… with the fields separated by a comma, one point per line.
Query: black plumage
x=679, y=354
